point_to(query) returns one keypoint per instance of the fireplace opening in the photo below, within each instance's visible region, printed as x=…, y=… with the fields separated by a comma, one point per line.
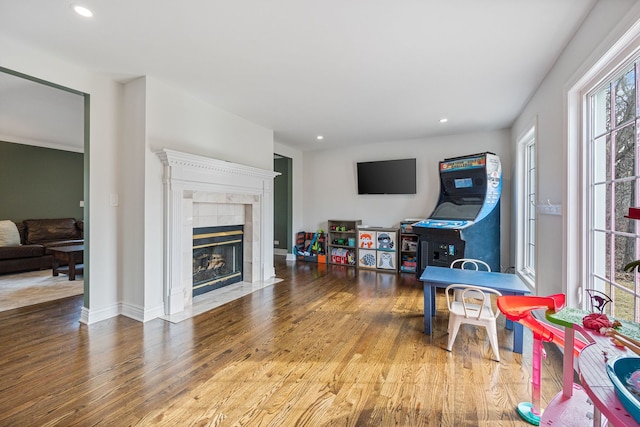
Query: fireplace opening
x=217, y=257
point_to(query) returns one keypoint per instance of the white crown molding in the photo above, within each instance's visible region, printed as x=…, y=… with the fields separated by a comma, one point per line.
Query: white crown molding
x=178, y=158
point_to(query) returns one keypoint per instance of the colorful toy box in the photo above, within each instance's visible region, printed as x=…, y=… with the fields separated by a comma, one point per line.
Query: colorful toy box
x=310, y=247
x=342, y=256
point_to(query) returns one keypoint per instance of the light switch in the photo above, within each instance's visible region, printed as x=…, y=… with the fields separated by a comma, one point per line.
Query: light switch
x=113, y=200
x=549, y=209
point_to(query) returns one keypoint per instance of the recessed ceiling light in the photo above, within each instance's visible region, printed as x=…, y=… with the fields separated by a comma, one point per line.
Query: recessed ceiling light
x=81, y=10
x=319, y=137
x=444, y=120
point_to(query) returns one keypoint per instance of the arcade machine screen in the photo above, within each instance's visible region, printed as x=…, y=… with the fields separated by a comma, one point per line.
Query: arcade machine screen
x=463, y=183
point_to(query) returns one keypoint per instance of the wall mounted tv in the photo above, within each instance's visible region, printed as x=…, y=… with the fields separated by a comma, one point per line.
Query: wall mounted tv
x=387, y=177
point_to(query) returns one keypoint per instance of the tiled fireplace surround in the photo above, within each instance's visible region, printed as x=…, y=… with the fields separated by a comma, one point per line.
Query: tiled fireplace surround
x=204, y=192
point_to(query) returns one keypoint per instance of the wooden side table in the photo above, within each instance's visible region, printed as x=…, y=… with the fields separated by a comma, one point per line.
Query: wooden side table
x=67, y=254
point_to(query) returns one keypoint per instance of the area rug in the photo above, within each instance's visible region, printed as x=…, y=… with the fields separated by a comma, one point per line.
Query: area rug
x=34, y=287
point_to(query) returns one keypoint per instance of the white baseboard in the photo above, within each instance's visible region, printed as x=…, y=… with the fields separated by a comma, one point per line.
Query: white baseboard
x=89, y=316
x=138, y=313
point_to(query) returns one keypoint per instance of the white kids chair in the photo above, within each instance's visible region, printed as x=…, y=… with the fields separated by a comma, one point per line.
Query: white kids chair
x=469, y=264
x=465, y=263
x=475, y=308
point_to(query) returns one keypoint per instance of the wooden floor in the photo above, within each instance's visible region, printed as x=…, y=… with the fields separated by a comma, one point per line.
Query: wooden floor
x=324, y=347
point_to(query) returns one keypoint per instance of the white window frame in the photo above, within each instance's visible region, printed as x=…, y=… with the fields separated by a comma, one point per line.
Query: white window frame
x=526, y=247
x=602, y=276
x=576, y=257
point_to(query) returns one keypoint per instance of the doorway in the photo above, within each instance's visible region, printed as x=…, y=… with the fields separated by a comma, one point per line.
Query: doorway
x=41, y=115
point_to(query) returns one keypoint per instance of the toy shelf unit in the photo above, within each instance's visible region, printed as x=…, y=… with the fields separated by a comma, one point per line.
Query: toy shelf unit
x=377, y=249
x=408, y=250
x=310, y=247
x=341, y=241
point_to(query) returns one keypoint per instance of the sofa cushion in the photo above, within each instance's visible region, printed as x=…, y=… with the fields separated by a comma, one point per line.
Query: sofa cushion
x=9, y=235
x=23, y=232
x=24, y=251
x=46, y=230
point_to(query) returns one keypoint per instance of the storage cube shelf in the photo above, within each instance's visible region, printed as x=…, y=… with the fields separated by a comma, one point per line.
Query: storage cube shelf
x=372, y=248
x=377, y=248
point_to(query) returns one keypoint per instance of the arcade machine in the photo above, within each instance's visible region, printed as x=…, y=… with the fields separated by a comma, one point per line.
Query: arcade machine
x=466, y=221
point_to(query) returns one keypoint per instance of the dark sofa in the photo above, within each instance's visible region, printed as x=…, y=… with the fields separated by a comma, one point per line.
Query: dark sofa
x=36, y=237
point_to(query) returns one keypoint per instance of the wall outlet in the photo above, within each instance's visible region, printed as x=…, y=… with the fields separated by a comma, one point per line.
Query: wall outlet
x=276, y=242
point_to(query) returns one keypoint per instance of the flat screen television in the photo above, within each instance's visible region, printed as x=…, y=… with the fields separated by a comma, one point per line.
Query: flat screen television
x=387, y=177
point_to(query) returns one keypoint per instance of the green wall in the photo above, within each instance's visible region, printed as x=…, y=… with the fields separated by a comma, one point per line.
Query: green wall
x=282, y=203
x=40, y=182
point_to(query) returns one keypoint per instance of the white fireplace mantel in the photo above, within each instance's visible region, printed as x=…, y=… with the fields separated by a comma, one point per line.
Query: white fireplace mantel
x=188, y=178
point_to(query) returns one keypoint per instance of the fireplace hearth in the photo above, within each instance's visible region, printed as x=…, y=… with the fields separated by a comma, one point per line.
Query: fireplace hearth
x=217, y=257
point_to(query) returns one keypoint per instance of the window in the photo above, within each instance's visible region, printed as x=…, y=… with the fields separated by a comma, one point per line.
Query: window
x=613, y=177
x=526, y=245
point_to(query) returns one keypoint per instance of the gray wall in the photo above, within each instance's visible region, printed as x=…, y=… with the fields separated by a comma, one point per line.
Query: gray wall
x=40, y=182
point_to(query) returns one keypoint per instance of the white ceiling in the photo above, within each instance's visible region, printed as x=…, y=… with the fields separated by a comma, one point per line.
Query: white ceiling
x=355, y=71
x=38, y=114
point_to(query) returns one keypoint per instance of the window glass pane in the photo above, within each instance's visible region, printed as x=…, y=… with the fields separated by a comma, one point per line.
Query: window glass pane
x=608, y=258
x=624, y=304
x=625, y=92
x=625, y=253
x=531, y=262
x=636, y=154
x=601, y=159
x=624, y=198
x=601, y=111
x=527, y=228
x=600, y=192
x=625, y=152
x=609, y=308
x=601, y=285
x=637, y=92
x=600, y=254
